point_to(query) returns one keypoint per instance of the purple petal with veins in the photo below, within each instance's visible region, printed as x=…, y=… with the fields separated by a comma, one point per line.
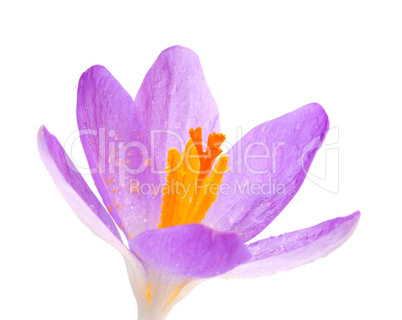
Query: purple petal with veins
x=296, y=248
x=290, y=144
x=191, y=250
x=75, y=190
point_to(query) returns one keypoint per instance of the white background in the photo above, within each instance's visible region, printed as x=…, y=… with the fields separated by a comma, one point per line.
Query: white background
x=261, y=60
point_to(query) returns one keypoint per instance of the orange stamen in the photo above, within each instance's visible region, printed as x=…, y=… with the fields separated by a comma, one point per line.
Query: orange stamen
x=189, y=191
x=207, y=157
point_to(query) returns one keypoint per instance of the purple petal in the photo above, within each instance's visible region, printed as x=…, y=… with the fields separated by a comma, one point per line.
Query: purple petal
x=117, y=149
x=174, y=95
x=75, y=190
x=260, y=188
x=296, y=248
x=191, y=250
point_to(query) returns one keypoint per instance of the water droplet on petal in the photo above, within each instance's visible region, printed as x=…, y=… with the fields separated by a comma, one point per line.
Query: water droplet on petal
x=255, y=250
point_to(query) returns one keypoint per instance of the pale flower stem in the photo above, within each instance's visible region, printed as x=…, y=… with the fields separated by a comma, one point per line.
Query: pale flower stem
x=152, y=316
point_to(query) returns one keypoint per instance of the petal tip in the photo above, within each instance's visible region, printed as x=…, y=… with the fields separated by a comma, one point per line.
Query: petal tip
x=41, y=130
x=42, y=137
x=93, y=72
x=95, y=68
x=355, y=216
x=322, y=118
x=179, y=53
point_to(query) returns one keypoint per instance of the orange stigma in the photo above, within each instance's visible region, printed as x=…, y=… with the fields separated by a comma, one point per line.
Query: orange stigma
x=189, y=191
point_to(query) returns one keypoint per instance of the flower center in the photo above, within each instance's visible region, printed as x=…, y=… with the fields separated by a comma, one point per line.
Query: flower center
x=190, y=190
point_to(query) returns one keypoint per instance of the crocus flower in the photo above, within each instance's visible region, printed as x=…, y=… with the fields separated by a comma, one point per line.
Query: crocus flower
x=187, y=211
